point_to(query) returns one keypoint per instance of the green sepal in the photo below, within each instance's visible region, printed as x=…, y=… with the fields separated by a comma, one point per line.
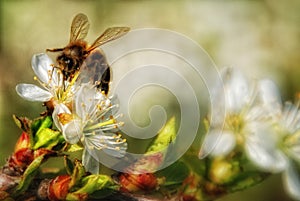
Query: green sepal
x=92, y=184
x=77, y=174
x=166, y=135
x=23, y=123
x=69, y=166
x=28, y=175
x=40, y=123
x=73, y=148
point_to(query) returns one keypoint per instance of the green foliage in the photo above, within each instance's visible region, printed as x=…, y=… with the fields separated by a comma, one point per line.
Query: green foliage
x=175, y=174
x=92, y=184
x=166, y=136
x=28, y=175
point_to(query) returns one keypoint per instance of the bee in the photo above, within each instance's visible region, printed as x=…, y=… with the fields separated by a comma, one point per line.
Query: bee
x=88, y=59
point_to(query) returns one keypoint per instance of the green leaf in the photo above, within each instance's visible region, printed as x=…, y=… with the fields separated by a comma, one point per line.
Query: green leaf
x=47, y=138
x=174, y=174
x=39, y=123
x=157, y=150
x=28, y=175
x=164, y=137
x=45, y=123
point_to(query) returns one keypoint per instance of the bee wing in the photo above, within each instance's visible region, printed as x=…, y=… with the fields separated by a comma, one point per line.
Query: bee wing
x=109, y=35
x=79, y=28
x=95, y=70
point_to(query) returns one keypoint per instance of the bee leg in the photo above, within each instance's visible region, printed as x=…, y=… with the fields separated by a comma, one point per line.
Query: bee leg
x=55, y=50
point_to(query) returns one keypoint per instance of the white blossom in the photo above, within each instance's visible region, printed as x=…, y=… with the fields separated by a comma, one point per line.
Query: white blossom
x=53, y=87
x=90, y=123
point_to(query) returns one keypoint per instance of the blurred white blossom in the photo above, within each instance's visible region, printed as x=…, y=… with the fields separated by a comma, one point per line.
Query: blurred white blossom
x=288, y=128
x=90, y=122
x=251, y=107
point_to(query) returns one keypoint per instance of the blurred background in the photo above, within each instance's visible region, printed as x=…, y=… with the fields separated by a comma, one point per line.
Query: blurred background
x=260, y=37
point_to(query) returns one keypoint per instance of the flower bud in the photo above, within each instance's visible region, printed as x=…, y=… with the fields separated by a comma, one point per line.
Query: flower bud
x=137, y=182
x=23, y=142
x=59, y=187
x=21, y=158
x=223, y=171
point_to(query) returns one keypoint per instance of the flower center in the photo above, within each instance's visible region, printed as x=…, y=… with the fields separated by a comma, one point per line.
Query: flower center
x=235, y=123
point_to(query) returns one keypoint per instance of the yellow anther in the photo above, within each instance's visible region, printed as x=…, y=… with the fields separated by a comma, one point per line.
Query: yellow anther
x=65, y=118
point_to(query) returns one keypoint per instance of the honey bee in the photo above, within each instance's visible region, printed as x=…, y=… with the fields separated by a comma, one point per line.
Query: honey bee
x=88, y=59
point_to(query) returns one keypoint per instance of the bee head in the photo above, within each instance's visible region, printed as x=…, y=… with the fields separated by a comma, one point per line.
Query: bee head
x=66, y=62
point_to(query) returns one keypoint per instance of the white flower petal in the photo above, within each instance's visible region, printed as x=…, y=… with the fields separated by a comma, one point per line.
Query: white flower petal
x=291, y=180
x=270, y=160
x=291, y=117
x=269, y=98
x=72, y=131
x=217, y=143
x=294, y=151
x=32, y=92
x=237, y=89
x=268, y=93
x=59, y=109
x=91, y=164
x=41, y=65
x=85, y=101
